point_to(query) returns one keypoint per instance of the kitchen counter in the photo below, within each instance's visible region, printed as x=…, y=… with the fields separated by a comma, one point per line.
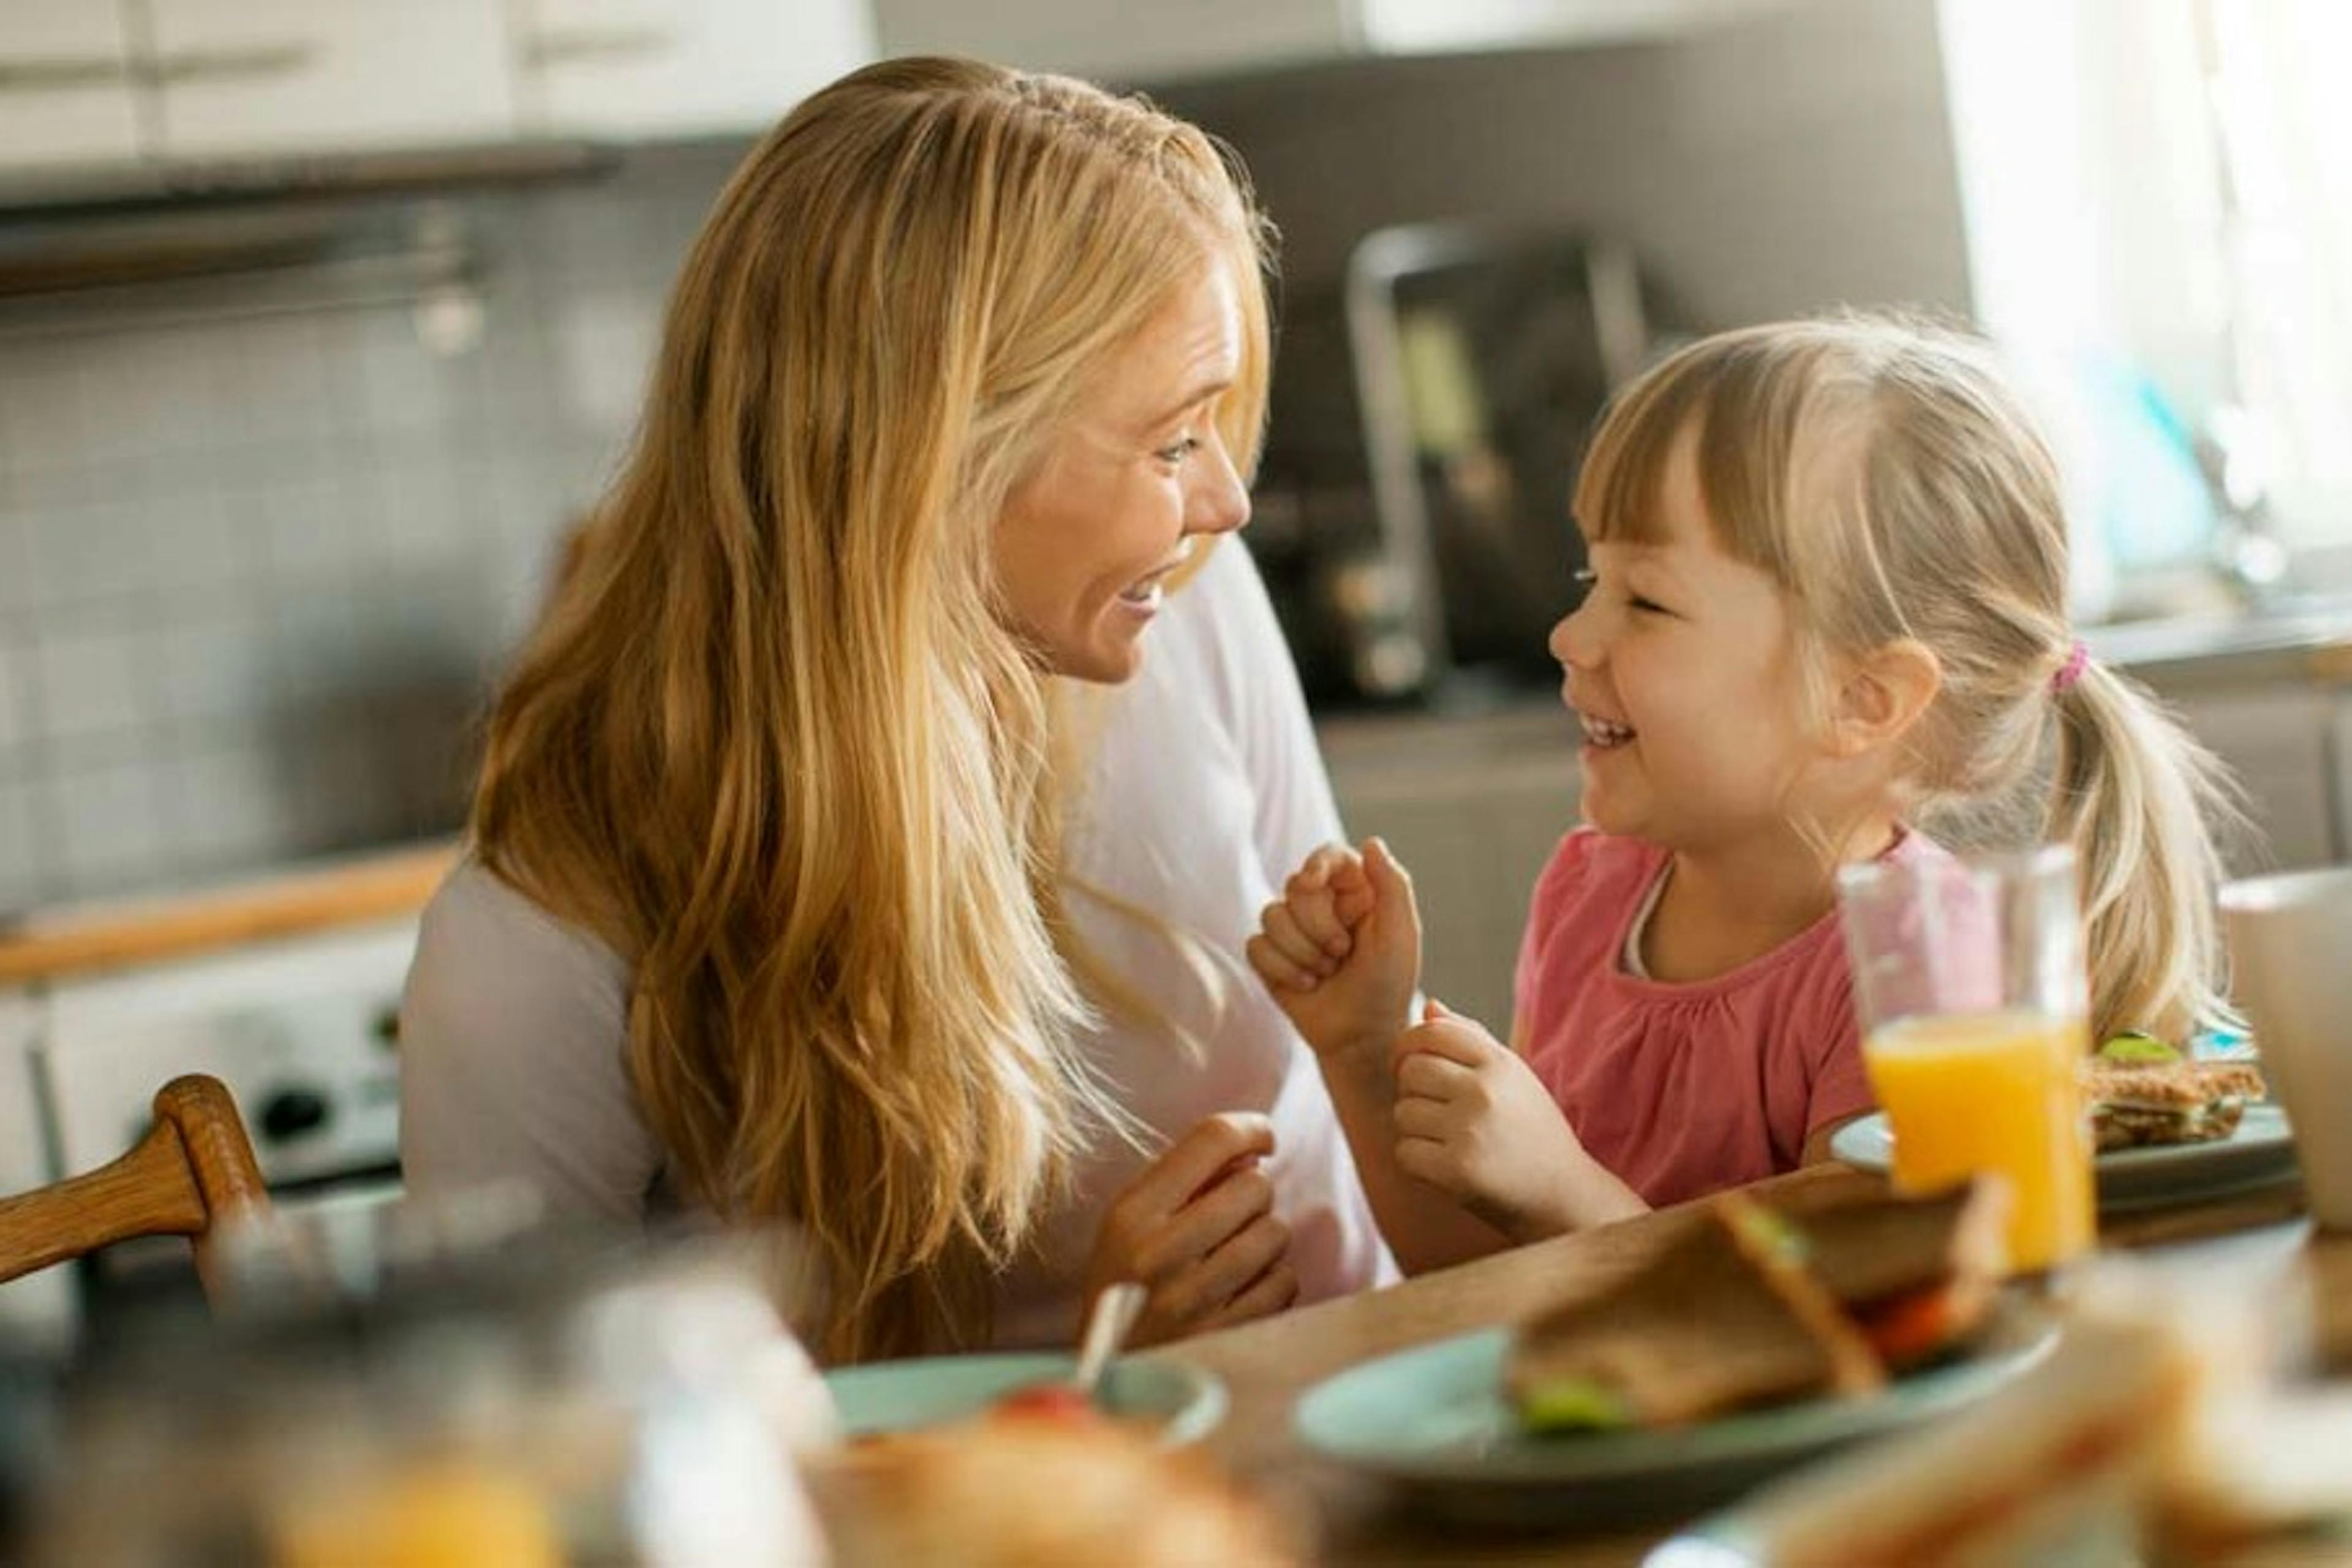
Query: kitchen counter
x=2305, y=639
x=56, y=944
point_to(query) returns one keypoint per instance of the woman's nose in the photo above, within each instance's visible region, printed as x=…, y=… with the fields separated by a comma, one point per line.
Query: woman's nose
x=1219, y=502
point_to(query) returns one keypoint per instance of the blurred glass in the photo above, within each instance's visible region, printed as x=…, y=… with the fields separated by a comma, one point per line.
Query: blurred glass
x=2290, y=938
x=398, y=1384
x=1974, y=1004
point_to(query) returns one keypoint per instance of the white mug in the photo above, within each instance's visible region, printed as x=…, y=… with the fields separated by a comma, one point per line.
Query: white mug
x=2291, y=961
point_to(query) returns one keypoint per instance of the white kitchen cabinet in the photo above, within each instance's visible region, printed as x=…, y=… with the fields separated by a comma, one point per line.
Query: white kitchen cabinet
x=669, y=67
x=1416, y=27
x=239, y=77
x=1472, y=807
x=1179, y=38
x=1121, y=43
x=2279, y=741
x=66, y=93
x=2339, y=749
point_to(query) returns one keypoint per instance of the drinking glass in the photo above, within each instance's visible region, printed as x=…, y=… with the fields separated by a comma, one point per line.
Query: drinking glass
x=2291, y=960
x=1974, y=1004
x=448, y=1382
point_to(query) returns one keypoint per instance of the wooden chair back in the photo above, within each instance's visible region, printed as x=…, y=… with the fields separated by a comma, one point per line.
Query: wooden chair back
x=194, y=1169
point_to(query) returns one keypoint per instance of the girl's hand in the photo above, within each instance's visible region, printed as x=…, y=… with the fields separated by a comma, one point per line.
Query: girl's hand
x=1473, y=1121
x=1341, y=950
x=1197, y=1230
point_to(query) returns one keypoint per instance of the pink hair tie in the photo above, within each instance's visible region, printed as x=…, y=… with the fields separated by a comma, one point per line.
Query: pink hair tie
x=2072, y=670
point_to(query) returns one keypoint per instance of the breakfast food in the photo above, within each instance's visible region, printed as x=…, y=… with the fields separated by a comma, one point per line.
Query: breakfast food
x=1700, y=1330
x=1755, y=1305
x=2051, y=1468
x=1916, y=1275
x=1026, y=1488
x=2144, y=1092
x=2170, y=1423
x=1046, y=1401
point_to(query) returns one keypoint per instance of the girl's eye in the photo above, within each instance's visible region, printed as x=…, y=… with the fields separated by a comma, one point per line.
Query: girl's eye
x=1180, y=451
x=1586, y=580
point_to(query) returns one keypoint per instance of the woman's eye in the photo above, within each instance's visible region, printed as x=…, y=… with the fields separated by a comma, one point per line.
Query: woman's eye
x=1647, y=606
x=1180, y=451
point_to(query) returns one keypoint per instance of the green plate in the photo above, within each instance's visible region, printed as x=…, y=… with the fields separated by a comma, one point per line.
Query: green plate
x=2260, y=1153
x=1433, y=1422
x=1184, y=1402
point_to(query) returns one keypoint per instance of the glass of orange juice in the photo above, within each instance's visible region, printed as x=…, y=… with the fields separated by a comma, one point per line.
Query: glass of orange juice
x=1974, y=1003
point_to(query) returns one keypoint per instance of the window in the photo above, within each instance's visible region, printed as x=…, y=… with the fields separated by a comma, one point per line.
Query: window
x=2282, y=121
x=2158, y=201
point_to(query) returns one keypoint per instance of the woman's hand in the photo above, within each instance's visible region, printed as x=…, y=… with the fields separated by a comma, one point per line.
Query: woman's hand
x=1473, y=1121
x=1197, y=1230
x=1341, y=950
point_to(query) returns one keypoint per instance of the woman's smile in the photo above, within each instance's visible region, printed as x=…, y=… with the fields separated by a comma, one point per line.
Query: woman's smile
x=1145, y=594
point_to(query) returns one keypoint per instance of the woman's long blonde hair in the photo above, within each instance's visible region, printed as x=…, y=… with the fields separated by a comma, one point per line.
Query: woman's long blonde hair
x=1883, y=474
x=773, y=742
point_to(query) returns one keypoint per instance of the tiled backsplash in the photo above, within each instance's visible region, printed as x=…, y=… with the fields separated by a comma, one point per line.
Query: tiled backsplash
x=257, y=564
x=261, y=555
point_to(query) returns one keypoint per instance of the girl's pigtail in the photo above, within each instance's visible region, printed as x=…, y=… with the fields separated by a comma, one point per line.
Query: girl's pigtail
x=2140, y=800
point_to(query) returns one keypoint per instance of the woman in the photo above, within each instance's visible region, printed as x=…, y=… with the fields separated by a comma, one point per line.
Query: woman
x=768, y=913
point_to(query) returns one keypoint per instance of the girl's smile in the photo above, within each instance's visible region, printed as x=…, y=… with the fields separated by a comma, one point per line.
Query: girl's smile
x=1603, y=734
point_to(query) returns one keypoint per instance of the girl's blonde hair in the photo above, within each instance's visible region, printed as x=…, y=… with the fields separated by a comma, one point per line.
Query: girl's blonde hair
x=773, y=742
x=1885, y=476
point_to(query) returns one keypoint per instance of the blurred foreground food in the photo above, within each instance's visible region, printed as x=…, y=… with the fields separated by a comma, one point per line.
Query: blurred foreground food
x=1047, y=1491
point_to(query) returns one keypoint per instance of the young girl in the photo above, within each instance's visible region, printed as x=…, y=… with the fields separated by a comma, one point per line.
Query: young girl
x=1827, y=596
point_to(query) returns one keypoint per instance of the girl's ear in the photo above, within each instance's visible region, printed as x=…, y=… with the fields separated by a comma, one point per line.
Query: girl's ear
x=1882, y=695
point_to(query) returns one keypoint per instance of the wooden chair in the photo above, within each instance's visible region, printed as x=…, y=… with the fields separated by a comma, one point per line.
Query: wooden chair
x=193, y=1171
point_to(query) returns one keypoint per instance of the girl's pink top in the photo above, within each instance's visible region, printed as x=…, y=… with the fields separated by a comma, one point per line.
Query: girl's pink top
x=1683, y=1089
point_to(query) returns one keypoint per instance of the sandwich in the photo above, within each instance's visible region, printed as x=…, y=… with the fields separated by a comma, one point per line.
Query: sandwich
x=2051, y=1468
x=1755, y=1305
x=2143, y=1092
x=1918, y=1275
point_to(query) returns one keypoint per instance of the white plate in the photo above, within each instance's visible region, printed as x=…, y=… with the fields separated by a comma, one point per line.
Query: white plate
x=1183, y=1401
x=2260, y=1153
x=1434, y=1424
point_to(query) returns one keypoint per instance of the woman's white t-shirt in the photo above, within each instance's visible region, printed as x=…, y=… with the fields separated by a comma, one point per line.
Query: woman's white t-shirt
x=1206, y=790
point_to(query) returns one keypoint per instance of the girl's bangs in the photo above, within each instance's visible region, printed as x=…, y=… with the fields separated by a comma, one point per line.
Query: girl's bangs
x=1616, y=499
x=1742, y=402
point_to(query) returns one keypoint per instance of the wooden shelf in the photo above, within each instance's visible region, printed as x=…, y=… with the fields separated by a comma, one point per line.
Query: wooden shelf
x=114, y=936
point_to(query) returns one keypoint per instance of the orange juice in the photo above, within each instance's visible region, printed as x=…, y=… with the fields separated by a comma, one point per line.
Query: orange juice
x=439, y=1513
x=1994, y=1091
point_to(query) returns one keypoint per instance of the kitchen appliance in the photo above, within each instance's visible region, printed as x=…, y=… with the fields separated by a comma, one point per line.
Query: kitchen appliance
x=1483, y=359
x=1345, y=603
x=304, y=1031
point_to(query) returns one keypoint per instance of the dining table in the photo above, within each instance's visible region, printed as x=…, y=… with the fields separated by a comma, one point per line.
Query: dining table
x=1349, y=1518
